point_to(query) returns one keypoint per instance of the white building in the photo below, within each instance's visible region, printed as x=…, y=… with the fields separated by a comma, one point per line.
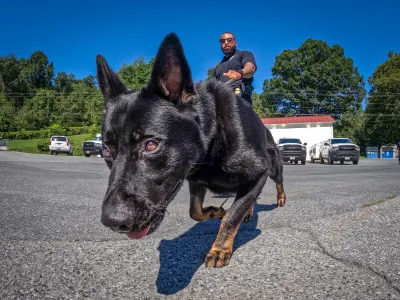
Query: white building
x=309, y=129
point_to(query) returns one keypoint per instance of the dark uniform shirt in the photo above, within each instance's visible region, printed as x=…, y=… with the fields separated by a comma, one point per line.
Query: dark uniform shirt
x=236, y=62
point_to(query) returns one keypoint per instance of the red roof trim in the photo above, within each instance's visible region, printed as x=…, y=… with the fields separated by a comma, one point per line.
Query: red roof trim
x=297, y=120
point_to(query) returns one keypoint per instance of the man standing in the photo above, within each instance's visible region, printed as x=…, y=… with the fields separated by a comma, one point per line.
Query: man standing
x=398, y=150
x=237, y=65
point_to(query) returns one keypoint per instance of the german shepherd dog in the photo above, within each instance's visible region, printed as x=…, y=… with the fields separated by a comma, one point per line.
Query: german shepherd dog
x=172, y=130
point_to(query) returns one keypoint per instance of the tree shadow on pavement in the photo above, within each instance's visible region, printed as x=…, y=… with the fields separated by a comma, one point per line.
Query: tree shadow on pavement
x=181, y=257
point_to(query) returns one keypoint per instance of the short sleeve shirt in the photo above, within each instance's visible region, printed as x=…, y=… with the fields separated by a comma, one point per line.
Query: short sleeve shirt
x=235, y=62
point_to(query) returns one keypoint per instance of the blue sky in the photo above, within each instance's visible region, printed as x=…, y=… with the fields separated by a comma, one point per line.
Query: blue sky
x=72, y=32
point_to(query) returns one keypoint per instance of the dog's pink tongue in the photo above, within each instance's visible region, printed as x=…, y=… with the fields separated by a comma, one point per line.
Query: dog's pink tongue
x=139, y=234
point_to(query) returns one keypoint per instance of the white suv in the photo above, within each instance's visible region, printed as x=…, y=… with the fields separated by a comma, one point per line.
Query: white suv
x=60, y=144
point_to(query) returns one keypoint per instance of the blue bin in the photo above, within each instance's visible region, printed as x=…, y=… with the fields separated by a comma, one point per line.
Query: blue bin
x=372, y=152
x=387, y=152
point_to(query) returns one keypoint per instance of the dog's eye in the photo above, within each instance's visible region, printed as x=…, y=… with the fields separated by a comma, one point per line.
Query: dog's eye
x=107, y=153
x=151, y=145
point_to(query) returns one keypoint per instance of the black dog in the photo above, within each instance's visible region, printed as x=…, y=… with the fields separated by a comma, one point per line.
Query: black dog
x=159, y=136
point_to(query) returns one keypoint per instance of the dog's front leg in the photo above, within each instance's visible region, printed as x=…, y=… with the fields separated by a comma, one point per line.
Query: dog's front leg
x=197, y=211
x=280, y=195
x=221, y=250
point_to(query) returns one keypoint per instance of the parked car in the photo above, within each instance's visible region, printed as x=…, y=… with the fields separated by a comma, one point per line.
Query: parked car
x=60, y=144
x=3, y=144
x=336, y=149
x=292, y=150
x=93, y=147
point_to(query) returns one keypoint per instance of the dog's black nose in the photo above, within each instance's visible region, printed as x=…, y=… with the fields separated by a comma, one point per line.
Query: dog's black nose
x=118, y=221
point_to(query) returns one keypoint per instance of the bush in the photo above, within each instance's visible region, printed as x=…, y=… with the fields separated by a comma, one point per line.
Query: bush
x=25, y=135
x=43, y=145
x=57, y=129
x=54, y=129
x=77, y=151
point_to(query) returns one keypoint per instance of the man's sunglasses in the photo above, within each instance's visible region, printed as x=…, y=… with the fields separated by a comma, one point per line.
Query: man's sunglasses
x=229, y=40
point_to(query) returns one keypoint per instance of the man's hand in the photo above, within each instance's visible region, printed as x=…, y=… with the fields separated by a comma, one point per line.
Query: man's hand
x=233, y=75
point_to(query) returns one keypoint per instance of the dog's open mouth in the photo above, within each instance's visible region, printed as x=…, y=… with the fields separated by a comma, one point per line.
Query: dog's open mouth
x=154, y=221
x=138, y=234
x=144, y=230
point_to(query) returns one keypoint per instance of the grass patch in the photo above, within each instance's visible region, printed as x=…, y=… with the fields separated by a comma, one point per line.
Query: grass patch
x=20, y=144
x=391, y=196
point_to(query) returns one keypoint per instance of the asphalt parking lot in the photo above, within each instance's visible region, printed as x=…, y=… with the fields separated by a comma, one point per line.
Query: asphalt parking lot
x=337, y=238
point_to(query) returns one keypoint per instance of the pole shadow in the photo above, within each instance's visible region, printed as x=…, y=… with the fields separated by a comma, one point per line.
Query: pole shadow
x=181, y=257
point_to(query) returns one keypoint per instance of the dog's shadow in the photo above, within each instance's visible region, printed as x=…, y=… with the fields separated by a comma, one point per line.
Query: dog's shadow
x=181, y=257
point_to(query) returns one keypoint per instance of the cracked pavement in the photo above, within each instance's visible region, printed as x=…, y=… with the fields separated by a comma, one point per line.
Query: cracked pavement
x=337, y=237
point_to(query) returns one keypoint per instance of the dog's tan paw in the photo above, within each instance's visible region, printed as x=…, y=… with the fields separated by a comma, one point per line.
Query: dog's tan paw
x=207, y=213
x=213, y=212
x=218, y=258
x=281, y=200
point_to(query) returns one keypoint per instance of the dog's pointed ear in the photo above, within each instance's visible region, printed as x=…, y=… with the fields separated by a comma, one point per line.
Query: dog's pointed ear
x=171, y=76
x=109, y=83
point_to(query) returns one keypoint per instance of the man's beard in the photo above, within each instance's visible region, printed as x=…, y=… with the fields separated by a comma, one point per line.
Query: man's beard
x=230, y=51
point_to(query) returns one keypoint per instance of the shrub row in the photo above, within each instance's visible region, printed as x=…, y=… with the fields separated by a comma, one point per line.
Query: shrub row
x=48, y=132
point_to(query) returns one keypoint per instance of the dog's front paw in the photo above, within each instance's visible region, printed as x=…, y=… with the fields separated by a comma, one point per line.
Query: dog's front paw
x=218, y=258
x=248, y=218
x=281, y=200
x=281, y=195
x=212, y=212
x=207, y=213
x=249, y=214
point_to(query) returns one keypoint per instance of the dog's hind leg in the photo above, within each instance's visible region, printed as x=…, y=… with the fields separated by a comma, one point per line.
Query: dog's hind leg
x=275, y=168
x=275, y=172
x=221, y=250
x=197, y=211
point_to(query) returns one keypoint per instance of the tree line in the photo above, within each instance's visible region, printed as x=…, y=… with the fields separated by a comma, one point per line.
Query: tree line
x=314, y=79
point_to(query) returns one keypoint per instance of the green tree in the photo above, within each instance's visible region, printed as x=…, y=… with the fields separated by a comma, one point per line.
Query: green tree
x=137, y=75
x=37, y=111
x=6, y=113
x=12, y=84
x=382, y=121
x=63, y=82
x=314, y=79
x=89, y=81
x=350, y=125
x=262, y=109
x=83, y=106
x=210, y=73
x=37, y=71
